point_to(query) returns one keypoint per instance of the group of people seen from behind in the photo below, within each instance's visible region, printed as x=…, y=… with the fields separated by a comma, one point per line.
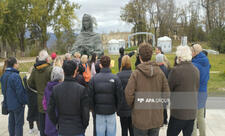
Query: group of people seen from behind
x=61, y=92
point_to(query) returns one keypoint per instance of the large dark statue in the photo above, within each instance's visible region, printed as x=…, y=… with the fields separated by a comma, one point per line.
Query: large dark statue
x=87, y=41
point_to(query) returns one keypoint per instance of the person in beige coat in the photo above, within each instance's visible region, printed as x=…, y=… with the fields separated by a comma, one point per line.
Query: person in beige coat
x=147, y=80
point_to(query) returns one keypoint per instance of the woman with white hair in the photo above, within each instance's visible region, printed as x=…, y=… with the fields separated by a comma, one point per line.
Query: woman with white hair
x=57, y=76
x=184, y=83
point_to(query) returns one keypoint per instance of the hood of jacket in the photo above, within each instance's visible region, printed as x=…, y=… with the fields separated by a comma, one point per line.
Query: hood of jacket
x=148, y=68
x=201, y=59
x=51, y=84
x=11, y=69
x=41, y=66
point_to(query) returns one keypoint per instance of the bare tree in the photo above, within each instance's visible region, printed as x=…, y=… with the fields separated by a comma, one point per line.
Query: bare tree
x=215, y=13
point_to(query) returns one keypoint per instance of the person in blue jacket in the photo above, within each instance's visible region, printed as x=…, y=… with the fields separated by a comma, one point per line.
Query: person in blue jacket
x=15, y=97
x=201, y=61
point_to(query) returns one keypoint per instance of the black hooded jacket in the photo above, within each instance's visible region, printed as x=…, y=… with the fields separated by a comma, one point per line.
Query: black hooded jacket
x=72, y=104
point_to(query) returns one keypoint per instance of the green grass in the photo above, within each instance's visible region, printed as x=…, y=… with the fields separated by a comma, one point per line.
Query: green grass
x=217, y=62
x=25, y=67
x=216, y=83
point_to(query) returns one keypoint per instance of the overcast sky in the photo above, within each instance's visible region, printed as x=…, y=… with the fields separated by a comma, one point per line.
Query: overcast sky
x=107, y=14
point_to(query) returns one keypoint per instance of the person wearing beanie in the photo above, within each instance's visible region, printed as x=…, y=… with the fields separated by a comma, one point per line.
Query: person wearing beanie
x=53, y=56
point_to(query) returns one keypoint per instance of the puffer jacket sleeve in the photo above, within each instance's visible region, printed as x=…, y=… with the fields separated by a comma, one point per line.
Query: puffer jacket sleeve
x=20, y=90
x=85, y=108
x=130, y=90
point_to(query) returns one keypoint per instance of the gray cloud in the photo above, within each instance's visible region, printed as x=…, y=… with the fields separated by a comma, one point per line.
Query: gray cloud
x=106, y=12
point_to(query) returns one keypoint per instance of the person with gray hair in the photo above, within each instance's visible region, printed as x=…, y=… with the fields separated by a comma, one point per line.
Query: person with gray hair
x=57, y=76
x=67, y=56
x=43, y=55
x=40, y=76
x=201, y=61
x=184, y=83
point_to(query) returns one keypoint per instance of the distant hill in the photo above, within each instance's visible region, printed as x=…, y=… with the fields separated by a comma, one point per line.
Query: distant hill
x=51, y=41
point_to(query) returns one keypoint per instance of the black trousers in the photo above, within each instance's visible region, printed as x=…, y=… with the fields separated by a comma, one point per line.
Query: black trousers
x=94, y=123
x=176, y=126
x=126, y=124
x=42, y=123
x=165, y=116
x=149, y=132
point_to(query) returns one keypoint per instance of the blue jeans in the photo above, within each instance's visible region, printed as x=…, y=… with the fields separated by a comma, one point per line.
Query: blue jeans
x=16, y=122
x=106, y=125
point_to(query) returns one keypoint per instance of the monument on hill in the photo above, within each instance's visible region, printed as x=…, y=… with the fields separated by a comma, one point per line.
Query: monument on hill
x=88, y=42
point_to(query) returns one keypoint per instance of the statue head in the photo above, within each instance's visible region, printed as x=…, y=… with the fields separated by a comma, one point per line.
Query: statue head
x=87, y=23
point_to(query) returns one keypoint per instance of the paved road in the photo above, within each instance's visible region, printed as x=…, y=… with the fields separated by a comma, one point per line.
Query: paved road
x=215, y=120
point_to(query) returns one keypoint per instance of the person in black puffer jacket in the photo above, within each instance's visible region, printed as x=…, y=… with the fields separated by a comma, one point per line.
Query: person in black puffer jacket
x=105, y=89
x=124, y=110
